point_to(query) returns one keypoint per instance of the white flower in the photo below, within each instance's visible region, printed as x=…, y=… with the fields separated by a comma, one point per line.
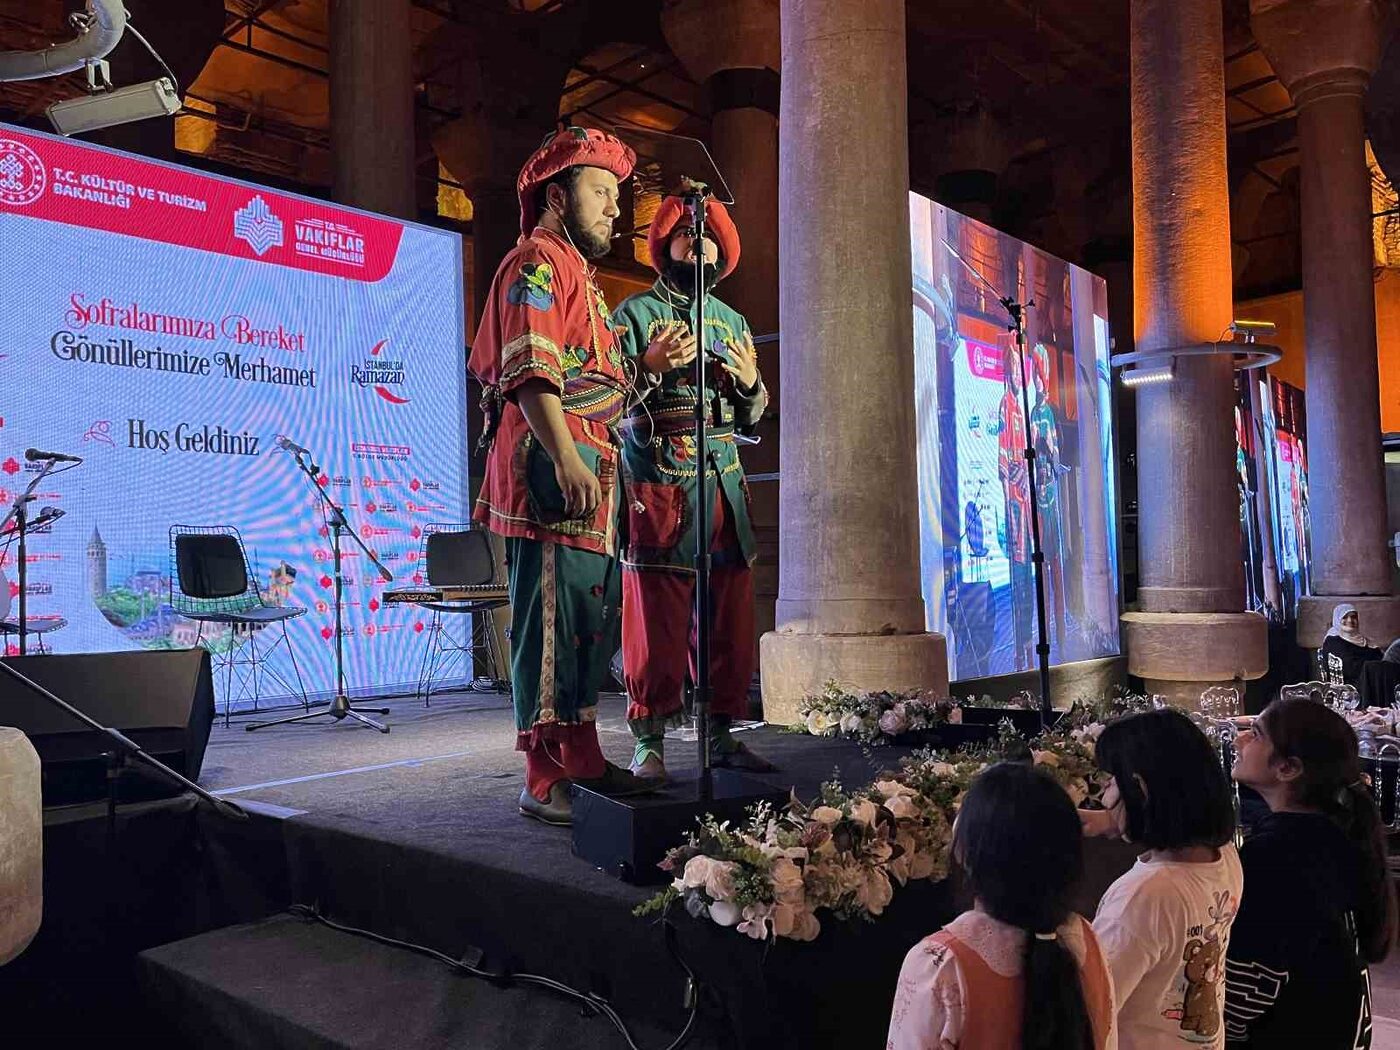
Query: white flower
x=725, y=913
x=901, y=807
x=892, y=789
x=865, y=811
x=851, y=723
x=719, y=880
x=756, y=919
x=826, y=815
x=788, y=887
x=696, y=873
x=955, y=716
x=942, y=769
x=819, y=723
x=874, y=891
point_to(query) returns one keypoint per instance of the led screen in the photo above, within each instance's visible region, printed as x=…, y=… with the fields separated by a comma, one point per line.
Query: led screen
x=974, y=492
x=168, y=327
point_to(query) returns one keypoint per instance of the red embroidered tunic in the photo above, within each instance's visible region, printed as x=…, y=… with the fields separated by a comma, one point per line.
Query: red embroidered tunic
x=546, y=319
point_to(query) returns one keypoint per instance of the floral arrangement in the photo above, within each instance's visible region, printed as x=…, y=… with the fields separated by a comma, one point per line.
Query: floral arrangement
x=848, y=852
x=874, y=718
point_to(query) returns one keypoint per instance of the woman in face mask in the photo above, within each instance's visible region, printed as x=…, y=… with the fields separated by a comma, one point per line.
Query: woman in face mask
x=1345, y=648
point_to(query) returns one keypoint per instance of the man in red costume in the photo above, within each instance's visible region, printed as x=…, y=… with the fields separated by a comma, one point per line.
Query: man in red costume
x=555, y=386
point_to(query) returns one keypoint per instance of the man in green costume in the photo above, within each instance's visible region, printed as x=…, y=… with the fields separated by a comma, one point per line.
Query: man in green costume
x=556, y=386
x=662, y=469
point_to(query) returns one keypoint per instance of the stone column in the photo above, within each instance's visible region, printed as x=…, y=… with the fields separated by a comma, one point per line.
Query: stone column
x=1190, y=632
x=849, y=603
x=1324, y=51
x=372, y=128
x=731, y=47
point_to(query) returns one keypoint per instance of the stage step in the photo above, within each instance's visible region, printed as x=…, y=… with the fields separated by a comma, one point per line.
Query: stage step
x=288, y=982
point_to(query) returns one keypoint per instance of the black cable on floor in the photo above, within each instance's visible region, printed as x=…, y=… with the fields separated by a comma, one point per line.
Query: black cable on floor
x=595, y=1003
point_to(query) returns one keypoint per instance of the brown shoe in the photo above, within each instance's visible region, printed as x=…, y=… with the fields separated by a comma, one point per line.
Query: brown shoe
x=558, y=812
x=653, y=769
x=616, y=782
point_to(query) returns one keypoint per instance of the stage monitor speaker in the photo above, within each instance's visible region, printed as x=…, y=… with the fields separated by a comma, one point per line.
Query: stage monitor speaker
x=162, y=699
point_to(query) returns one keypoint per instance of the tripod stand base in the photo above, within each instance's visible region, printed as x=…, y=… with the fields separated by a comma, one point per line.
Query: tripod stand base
x=339, y=709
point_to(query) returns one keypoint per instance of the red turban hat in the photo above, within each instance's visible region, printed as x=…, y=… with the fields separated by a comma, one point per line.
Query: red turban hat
x=718, y=225
x=565, y=149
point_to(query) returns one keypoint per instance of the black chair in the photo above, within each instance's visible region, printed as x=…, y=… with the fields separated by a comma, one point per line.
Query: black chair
x=210, y=583
x=459, y=555
x=38, y=626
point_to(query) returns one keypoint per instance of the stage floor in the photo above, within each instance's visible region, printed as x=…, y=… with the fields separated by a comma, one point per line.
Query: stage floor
x=415, y=834
x=463, y=748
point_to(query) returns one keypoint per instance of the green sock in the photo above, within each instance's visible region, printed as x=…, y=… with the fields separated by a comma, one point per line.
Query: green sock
x=651, y=739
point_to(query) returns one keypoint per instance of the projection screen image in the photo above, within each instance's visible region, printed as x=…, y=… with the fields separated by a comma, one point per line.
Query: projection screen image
x=974, y=491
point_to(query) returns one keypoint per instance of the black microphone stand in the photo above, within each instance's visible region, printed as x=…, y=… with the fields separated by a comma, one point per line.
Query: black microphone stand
x=695, y=197
x=340, y=705
x=124, y=751
x=1017, y=312
x=19, y=516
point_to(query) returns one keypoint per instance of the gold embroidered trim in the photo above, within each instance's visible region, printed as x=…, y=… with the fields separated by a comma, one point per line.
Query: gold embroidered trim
x=550, y=599
x=681, y=472
x=586, y=716
x=534, y=366
x=521, y=343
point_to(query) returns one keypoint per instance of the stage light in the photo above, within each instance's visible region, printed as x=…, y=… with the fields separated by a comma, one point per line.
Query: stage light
x=154, y=98
x=1252, y=330
x=1148, y=376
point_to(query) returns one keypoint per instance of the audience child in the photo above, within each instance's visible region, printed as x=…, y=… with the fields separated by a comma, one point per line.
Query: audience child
x=1019, y=971
x=1165, y=924
x=1318, y=904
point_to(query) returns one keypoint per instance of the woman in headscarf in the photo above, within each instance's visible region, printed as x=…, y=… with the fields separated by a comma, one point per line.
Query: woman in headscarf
x=1345, y=648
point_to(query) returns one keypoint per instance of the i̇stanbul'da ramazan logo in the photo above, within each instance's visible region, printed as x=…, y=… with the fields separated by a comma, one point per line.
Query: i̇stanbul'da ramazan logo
x=22, y=176
x=256, y=224
x=383, y=374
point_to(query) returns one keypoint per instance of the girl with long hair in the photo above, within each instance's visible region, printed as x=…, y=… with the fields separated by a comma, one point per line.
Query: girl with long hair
x=1319, y=904
x=1165, y=924
x=1019, y=971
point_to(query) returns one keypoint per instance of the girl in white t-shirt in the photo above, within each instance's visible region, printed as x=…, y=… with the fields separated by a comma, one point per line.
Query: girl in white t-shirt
x=1165, y=924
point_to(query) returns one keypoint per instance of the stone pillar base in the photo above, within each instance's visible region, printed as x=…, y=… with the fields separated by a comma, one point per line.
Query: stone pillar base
x=1380, y=617
x=21, y=861
x=1180, y=655
x=796, y=666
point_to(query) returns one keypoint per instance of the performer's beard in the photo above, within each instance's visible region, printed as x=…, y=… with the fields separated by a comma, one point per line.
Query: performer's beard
x=680, y=275
x=590, y=242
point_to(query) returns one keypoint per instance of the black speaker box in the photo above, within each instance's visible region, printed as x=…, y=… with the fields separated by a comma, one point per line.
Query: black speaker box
x=628, y=837
x=162, y=699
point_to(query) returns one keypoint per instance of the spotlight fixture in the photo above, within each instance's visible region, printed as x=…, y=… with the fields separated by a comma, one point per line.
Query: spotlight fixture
x=103, y=109
x=1252, y=330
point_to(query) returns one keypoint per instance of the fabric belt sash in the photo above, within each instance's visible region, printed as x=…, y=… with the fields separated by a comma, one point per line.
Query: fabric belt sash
x=677, y=419
x=599, y=398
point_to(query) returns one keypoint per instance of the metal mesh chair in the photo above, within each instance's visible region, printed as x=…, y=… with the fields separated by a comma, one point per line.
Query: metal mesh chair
x=458, y=555
x=211, y=583
x=37, y=626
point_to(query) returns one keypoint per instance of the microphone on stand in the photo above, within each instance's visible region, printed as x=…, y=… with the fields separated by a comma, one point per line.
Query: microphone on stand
x=286, y=444
x=34, y=455
x=47, y=516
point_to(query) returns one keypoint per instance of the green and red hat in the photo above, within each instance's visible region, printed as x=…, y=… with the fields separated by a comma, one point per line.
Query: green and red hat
x=564, y=149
